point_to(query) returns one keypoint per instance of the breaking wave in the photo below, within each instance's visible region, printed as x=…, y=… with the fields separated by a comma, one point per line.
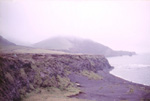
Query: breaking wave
x=131, y=66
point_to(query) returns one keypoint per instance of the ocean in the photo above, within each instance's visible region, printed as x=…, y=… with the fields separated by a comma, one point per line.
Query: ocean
x=134, y=68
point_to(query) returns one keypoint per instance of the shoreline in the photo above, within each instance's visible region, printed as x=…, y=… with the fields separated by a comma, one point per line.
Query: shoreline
x=111, y=88
x=24, y=74
x=129, y=80
x=134, y=69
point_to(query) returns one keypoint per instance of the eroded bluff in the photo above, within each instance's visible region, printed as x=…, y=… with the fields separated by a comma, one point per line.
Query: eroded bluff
x=23, y=73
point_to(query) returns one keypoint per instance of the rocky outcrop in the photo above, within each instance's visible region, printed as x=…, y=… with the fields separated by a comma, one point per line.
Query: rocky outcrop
x=23, y=73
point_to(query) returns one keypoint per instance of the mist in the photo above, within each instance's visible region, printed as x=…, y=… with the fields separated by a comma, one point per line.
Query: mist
x=121, y=25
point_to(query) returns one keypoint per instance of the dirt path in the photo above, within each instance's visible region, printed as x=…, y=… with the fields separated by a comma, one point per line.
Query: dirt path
x=110, y=88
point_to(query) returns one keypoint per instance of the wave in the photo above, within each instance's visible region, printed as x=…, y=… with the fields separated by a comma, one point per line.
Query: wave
x=131, y=66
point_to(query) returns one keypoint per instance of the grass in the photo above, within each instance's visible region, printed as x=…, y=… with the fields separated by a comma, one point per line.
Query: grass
x=91, y=75
x=56, y=88
x=37, y=79
x=67, y=72
x=59, y=92
x=23, y=74
x=22, y=91
x=49, y=94
x=131, y=90
x=66, y=85
x=9, y=77
x=23, y=49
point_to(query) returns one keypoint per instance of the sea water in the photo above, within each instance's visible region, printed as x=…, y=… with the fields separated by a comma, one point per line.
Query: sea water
x=134, y=68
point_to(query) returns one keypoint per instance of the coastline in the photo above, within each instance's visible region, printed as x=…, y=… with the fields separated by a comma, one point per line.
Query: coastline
x=135, y=68
x=83, y=77
x=110, y=88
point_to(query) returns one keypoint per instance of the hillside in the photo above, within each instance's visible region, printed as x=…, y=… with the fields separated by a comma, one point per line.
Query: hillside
x=78, y=45
x=9, y=47
x=62, y=45
x=5, y=42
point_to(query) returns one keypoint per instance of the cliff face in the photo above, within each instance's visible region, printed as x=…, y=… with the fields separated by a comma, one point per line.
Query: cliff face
x=23, y=73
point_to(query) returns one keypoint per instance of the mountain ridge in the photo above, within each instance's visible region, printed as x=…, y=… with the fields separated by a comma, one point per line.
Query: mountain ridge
x=79, y=45
x=70, y=45
x=4, y=41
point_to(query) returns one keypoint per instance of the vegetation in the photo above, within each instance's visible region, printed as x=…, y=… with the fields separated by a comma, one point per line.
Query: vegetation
x=50, y=94
x=9, y=77
x=91, y=75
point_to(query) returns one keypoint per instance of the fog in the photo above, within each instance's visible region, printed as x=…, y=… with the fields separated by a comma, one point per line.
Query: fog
x=121, y=25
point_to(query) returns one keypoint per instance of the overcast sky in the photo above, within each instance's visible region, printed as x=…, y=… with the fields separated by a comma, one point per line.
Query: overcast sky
x=121, y=25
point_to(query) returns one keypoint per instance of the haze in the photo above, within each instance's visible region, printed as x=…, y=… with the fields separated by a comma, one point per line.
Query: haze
x=120, y=25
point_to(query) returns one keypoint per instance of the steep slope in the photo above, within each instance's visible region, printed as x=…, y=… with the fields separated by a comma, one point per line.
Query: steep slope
x=78, y=45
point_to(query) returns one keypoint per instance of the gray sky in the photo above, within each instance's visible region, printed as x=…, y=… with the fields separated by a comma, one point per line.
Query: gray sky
x=121, y=25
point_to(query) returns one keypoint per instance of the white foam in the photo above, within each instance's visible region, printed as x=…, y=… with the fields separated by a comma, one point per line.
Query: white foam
x=131, y=66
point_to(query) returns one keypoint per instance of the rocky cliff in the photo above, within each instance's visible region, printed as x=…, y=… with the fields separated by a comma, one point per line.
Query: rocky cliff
x=23, y=73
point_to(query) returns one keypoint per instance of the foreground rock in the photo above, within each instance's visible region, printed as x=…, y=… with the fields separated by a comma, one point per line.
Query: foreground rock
x=24, y=76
